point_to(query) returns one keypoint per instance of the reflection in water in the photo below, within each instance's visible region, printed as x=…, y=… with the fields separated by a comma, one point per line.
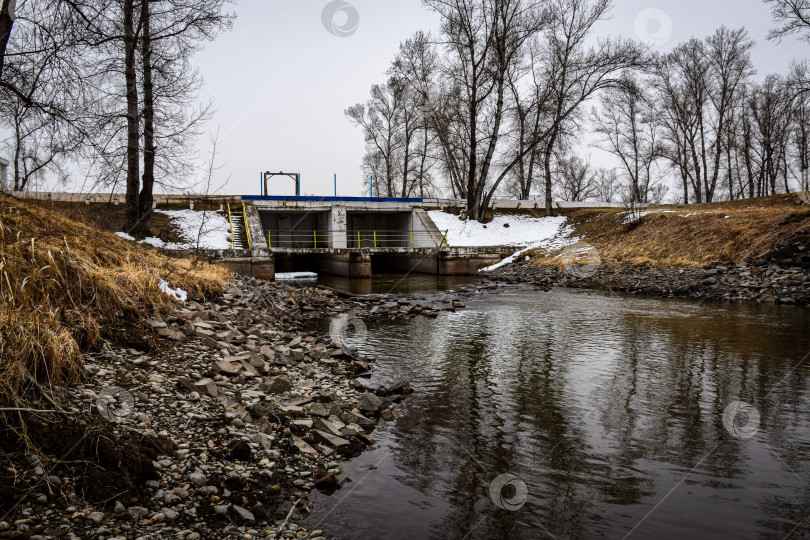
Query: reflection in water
x=382, y=283
x=610, y=409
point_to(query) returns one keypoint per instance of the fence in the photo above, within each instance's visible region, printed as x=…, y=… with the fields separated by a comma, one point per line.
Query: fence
x=359, y=239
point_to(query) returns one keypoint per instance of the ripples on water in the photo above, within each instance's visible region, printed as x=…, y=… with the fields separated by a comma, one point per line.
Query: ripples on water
x=610, y=409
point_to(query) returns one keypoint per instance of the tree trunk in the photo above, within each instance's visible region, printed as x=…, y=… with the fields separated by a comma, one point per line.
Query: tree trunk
x=548, y=151
x=133, y=129
x=146, y=198
x=6, y=23
x=17, y=152
x=472, y=200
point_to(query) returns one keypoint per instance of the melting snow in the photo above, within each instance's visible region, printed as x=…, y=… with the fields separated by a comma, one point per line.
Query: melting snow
x=125, y=236
x=548, y=234
x=177, y=294
x=212, y=228
x=521, y=230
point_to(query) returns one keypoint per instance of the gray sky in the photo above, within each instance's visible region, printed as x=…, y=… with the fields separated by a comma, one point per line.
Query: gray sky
x=281, y=80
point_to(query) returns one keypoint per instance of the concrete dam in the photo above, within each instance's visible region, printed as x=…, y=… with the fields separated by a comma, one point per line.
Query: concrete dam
x=344, y=236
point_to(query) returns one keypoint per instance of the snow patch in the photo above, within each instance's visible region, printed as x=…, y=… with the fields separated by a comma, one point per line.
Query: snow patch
x=637, y=215
x=501, y=231
x=125, y=236
x=549, y=245
x=212, y=228
x=178, y=294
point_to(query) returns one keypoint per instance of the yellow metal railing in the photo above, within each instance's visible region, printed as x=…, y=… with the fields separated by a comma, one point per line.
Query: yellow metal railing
x=230, y=222
x=353, y=239
x=247, y=228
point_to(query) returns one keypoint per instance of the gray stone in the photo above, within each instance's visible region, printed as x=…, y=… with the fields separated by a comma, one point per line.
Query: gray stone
x=244, y=514
x=368, y=402
x=157, y=323
x=328, y=438
x=326, y=426
x=277, y=385
x=228, y=368
x=359, y=419
x=198, y=479
x=303, y=447
x=137, y=512
x=323, y=409
x=207, y=386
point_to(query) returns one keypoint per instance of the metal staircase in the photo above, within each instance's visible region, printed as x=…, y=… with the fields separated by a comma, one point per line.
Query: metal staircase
x=239, y=238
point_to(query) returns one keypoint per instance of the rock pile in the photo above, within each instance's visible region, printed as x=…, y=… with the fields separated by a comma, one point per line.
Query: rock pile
x=249, y=407
x=759, y=280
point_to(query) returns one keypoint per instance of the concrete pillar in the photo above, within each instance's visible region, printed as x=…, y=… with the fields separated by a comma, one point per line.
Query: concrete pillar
x=353, y=265
x=465, y=265
x=338, y=227
x=263, y=268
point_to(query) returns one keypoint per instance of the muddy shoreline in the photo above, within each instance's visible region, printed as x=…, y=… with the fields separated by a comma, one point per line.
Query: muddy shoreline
x=777, y=277
x=217, y=422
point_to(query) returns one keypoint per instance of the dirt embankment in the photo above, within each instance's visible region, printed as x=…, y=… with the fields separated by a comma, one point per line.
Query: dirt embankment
x=754, y=249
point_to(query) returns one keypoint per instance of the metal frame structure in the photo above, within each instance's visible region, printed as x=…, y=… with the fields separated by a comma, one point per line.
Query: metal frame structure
x=295, y=176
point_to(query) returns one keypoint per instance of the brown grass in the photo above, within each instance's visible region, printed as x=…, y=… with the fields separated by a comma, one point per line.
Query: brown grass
x=753, y=227
x=61, y=281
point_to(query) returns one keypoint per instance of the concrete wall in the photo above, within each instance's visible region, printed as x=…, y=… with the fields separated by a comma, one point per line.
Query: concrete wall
x=257, y=236
x=353, y=265
x=426, y=234
x=259, y=268
x=392, y=229
x=337, y=224
x=465, y=265
x=295, y=229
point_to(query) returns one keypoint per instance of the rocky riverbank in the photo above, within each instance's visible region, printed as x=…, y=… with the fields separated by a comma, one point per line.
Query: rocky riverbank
x=779, y=276
x=215, y=423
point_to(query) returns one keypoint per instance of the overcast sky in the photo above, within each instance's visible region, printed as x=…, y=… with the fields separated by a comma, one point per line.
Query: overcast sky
x=282, y=78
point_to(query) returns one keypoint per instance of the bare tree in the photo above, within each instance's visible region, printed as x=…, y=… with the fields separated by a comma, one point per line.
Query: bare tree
x=578, y=181
x=7, y=16
x=700, y=83
x=628, y=130
x=606, y=185
x=793, y=16
x=801, y=123
x=770, y=110
x=172, y=31
x=573, y=69
x=42, y=87
x=133, y=161
x=483, y=41
x=443, y=123
x=380, y=120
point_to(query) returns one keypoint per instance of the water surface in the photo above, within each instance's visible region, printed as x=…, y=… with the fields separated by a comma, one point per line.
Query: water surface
x=609, y=409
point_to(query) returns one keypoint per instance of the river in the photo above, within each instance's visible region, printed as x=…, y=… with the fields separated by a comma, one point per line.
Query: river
x=581, y=414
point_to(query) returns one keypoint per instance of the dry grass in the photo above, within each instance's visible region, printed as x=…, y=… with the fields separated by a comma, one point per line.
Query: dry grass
x=667, y=236
x=61, y=281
